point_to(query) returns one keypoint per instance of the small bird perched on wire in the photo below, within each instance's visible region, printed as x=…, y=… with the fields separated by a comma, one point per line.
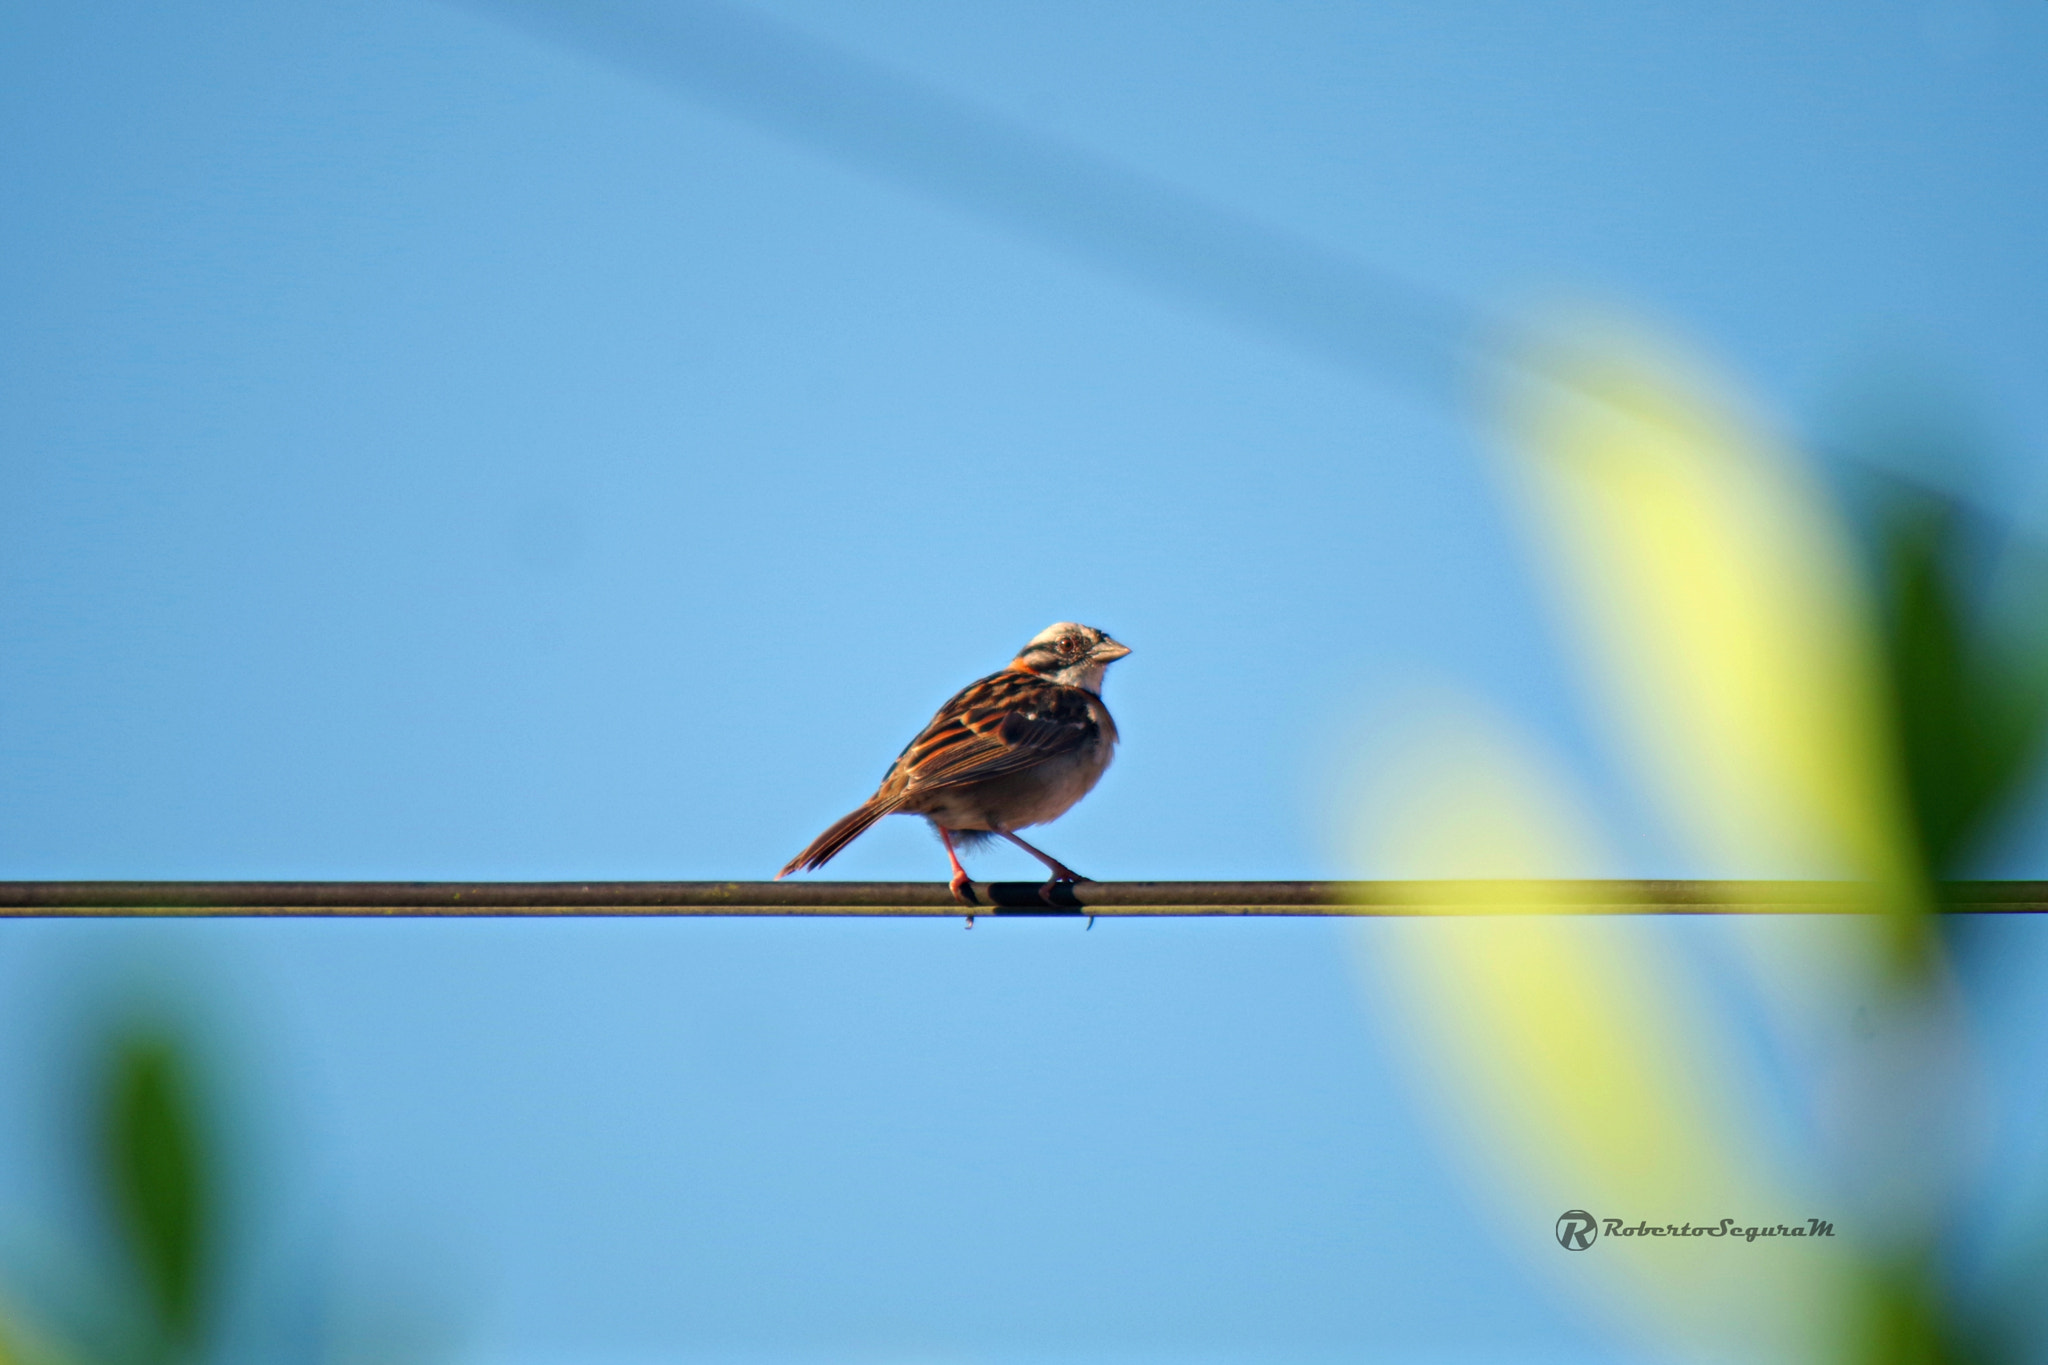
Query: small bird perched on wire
x=1016, y=749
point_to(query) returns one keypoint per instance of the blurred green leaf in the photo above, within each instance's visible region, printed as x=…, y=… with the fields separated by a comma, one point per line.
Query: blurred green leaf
x=1914, y=1317
x=157, y=1175
x=1972, y=704
x=1904, y=1321
x=22, y=1344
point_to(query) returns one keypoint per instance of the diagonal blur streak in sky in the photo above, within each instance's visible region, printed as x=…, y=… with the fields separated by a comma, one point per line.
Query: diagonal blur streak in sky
x=1157, y=234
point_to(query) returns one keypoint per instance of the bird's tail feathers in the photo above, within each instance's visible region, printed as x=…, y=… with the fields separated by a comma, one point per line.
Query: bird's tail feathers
x=843, y=832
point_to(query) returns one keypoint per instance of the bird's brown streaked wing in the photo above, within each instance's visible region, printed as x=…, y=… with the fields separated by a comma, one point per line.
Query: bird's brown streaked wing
x=1003, y=724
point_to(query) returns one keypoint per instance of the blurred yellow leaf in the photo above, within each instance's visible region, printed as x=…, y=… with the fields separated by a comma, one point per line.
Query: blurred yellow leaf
x=1719, y=612
x=1576, y=1067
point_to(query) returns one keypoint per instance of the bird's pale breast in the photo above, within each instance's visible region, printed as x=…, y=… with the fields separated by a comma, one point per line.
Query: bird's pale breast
x=1038, y=794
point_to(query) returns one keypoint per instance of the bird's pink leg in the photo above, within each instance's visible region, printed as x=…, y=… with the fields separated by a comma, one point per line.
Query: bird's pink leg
x=963, y=889
x=1060, y=871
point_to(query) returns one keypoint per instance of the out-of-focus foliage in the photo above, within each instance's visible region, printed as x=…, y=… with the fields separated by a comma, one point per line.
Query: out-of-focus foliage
x=1715, y=598
x=1969, y=681
x=145, y=1273
x=1795, y=710
x=1722, y=620
x=156, y=1182
x=1574, y=1059
x=156, y=1173
x=22, y=1344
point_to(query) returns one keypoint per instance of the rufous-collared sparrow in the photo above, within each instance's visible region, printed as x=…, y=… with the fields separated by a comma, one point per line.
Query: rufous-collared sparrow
x=1016, y=749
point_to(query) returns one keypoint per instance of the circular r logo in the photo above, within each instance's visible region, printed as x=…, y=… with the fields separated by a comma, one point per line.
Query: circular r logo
x=1576, y=1229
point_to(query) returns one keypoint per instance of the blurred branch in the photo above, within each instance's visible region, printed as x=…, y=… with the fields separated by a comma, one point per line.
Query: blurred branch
x=1084, y=205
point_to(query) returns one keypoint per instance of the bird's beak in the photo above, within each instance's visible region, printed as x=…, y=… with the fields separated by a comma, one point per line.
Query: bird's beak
x=1109, y=651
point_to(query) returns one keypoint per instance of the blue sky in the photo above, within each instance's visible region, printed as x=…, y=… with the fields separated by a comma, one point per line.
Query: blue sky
x=431, y=450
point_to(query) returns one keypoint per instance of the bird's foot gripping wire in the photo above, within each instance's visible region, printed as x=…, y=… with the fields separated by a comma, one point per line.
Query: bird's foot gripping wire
x=1061, y=878
x=963, y=892
x=1062, y=875
x=962, y=888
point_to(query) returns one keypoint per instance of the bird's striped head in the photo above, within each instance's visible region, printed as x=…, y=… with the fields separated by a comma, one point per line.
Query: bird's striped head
x=1069, y=654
